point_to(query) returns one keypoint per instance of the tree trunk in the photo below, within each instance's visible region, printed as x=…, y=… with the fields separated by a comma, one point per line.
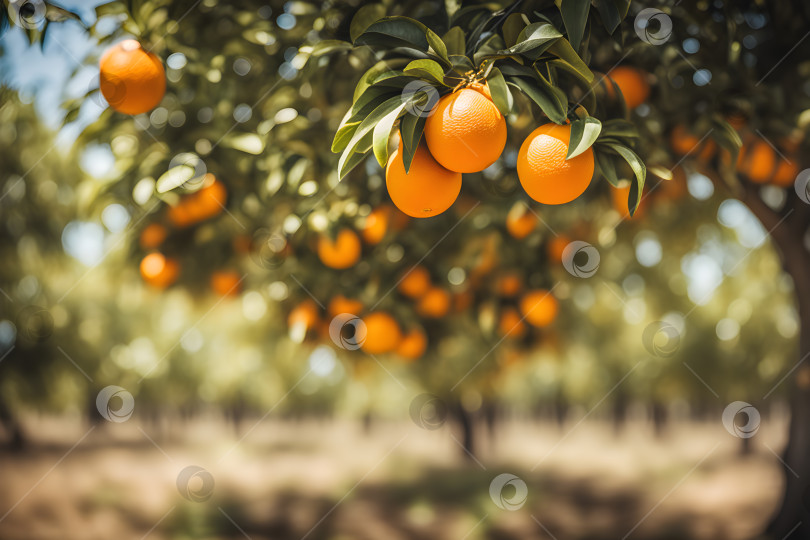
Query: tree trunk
x=465, y=422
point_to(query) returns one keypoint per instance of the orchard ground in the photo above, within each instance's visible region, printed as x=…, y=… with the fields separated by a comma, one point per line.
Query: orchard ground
x=345, y=479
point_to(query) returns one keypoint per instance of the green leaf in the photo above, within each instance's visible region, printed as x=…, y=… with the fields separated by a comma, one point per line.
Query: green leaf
x=609, y=13
x=547, y=102
x=410, y=130
x=366, y=126
x=110, y=8
x=394, y=31
x=352, y=161
x=536, y=35
x=461, y=63
x=365, y=81
x=501, y=95
x=364, y=18
x=727, y=137
x=174, y=178
x=343, y=136
x=639, y=169
x=584, y=132
x=512, y=27
x=575, y=16
x=327, y=46
x=426, y=69
x=382, y=133
x=620, y=129
x=437, y=45
x=250, y=143
x=562, y=49
x=454, y=39
x=605, y=164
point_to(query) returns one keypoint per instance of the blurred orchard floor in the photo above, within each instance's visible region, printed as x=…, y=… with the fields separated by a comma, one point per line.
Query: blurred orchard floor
x=334, y=480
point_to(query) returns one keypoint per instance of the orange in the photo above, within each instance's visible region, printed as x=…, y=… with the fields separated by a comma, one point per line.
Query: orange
x=462, y=301
x=132, y=79
x=434, y=304
x=465, y=132
x=633, y=84
x=159, y=271
x=305, y=315
x=382, y=333
x=226, y=283
x=757, y=160
x=520, y=221
x=511, y=324
x=556, y=247
x=544, y=172
x=539, y=307
x=201, y=205
x=153, y=235
x=786, y=172
x=340, y=304
x=376, y=225
x=428, y=189
x=413, y=344
x=685, y=142
x=415, y=282
x=509, y=285
x=341, y=253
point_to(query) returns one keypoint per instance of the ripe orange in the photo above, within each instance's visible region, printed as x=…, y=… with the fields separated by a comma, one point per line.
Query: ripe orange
x=685, y=142
x=539, y=307
x=465, y=132
x=511, y=324
x=132, y=79
x=434, y=304
x=428, y=189
x=340, y=304
x=757, y=160
x=153, y=235
x=201, y=205
x=413, y=344
x=159, y=271
x=509, y=285
x=544, y=172
x=415, y=282
x=376, y=225
x=520, y=221
x=303, y=317
x=633, y=84
x=341, y=253
x=382, y=333
x=226, y=283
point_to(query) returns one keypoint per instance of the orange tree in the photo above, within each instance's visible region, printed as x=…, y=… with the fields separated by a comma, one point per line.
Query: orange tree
x=534, y=97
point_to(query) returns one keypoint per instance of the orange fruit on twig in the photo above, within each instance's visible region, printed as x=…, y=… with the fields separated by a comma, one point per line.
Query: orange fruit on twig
x=413, y=345
x=340, y=304
x=684, y=142
x=376, y=225
x=539, y=307
x=520, y=221
x=201, y=205
x=415, y=282
x=544, y=172
x=342, y=252
x=132, y=79
x=434, y=304
x=383, y=334
x=757, y=160
x=226, y=283
x=428, y=189
x=511, y=324
x=152, y=236
x=465, y=131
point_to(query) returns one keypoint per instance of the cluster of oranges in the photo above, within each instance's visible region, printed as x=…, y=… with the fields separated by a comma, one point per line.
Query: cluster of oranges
x=466, y=133
x=374, y=332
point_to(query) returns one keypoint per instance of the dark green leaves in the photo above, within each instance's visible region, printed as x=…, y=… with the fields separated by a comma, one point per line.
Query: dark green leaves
x=364, y=18
x=575, y=16
x=426, y=69
x=639, y=170
x=501, y=95
x=410, y=130
x=390, y=32
x=547, y=97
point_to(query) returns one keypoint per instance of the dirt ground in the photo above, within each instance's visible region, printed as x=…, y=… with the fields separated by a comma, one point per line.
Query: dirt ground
x=335, y=480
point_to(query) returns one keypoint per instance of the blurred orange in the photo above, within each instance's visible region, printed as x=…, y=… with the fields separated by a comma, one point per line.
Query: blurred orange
x=383, y=334
x=633, y=84
x=413, y=345
x=556, y=246
x=511, y=324
x=340, y=304
x=520, y=221
x=539, y=307
x=305, y=315
x=757, y=160
x=619, y=196
x=376, y=225
x=684, y=142
x=509, y=284
x=434, y=304
x=153, y=235
x=415, y=282
x=226, y=283
x=159, y=271
x=342, y=252
x=204, y=204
